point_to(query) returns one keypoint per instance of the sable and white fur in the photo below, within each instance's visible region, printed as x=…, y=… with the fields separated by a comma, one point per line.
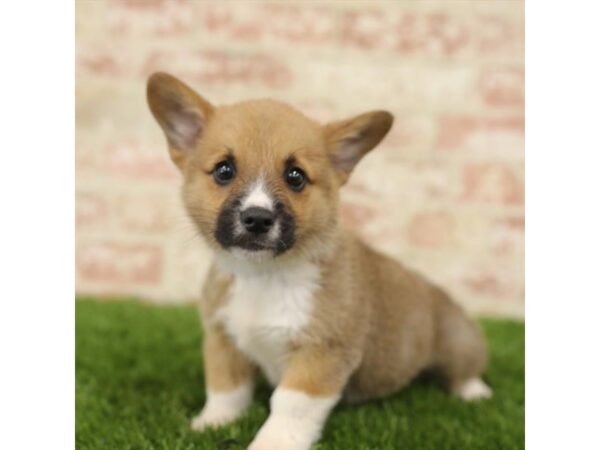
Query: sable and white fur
x=321, y=315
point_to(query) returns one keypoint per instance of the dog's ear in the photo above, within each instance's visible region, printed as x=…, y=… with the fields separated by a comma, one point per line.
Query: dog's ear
x=181, y=113
x=349, y=140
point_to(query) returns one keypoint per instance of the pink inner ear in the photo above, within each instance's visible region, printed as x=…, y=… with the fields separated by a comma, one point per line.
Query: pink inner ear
x=348, y=153
x=185, y=127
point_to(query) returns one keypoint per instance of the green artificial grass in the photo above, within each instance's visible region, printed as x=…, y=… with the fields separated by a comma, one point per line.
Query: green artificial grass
x=139, y=382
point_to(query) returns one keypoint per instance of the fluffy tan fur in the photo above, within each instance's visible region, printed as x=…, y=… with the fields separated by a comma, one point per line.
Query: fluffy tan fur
x=376, y=325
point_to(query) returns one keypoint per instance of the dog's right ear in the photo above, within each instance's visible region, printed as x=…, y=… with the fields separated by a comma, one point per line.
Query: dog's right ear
x=349, y=140
x=181, y=113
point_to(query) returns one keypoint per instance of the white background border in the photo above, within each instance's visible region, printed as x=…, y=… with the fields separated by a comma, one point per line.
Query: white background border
x=562, y=295
x=37, y=225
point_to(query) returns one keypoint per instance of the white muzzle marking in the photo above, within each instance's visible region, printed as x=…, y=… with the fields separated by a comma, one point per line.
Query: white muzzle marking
x=258, y=197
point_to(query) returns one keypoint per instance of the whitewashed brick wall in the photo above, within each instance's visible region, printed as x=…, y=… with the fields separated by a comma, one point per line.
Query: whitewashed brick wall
x=445, y=192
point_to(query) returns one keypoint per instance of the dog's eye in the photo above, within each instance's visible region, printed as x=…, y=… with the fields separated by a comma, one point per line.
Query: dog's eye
x=295, y=178
x=224, y=172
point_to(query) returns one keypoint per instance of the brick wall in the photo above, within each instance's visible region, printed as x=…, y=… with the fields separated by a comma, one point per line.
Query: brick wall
x=444, y=192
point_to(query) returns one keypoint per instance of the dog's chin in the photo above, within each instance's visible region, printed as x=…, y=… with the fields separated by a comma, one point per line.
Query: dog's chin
x=244, y=261
x=254, y=253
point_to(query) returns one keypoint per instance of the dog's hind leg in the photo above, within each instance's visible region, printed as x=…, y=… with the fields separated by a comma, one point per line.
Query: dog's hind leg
x=461, y=355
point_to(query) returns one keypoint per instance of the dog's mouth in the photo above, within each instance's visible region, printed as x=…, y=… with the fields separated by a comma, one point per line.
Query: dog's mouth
x=255, y=245
x=250, y=244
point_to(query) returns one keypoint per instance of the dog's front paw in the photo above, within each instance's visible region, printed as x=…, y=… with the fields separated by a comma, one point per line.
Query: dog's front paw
x=222, y=408
x=212, y=418
x=280, y=434
x=277, y=441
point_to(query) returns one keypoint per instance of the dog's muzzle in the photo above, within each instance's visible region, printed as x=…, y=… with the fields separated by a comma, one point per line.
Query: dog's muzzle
x=255, y=228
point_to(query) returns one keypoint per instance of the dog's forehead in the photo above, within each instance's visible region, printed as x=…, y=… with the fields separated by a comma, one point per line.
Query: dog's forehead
x=266, y=130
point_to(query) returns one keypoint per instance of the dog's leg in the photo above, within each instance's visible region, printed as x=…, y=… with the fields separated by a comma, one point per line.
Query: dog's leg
x=229, y=381
x=310, y=388
x=461, y=356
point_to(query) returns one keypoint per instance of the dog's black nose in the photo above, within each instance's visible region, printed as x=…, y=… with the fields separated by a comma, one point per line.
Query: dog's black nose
x=257, y=220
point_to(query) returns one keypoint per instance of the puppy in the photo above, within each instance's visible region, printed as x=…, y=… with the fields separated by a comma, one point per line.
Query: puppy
x=291, y=293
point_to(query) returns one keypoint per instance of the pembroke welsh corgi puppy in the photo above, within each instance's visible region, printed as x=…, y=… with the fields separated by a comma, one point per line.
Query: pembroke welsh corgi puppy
x=291, y=293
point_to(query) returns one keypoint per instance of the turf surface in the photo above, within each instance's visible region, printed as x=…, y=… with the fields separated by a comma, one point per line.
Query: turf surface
x=139, y=381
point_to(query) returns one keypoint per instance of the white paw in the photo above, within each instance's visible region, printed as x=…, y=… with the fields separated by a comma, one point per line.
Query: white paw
x=473, y=389
x=295, y=422
x=279, y=434
x=222, y=408
x=211, y=418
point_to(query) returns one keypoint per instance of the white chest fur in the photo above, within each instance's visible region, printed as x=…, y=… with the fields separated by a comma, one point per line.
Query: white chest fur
x=268, y=309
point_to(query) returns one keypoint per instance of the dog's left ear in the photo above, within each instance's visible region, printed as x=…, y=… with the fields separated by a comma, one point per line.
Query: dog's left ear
x=181, y=113
x=349, y=140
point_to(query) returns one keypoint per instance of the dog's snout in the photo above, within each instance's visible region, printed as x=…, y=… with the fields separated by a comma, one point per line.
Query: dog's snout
x=257, y=220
